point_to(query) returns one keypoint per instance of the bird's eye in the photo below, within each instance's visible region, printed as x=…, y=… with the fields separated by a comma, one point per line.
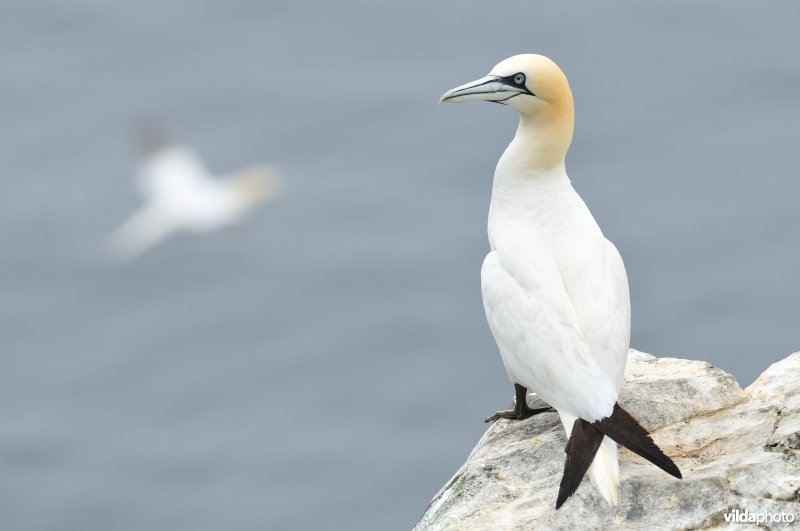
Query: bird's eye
x=519, y=79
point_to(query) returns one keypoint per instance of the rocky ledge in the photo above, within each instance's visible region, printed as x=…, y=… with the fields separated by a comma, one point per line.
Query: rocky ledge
x=738, y=449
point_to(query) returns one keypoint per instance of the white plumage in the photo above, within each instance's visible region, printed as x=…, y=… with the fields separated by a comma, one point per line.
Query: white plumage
x=554, y=288
x=555, y=293
x=181, y=196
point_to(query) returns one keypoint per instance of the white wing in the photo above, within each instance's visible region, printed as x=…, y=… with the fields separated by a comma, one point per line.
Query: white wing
x=608, y=315
x=179, y=189
x=171, y=173
x=553, y=333
x=143, y=230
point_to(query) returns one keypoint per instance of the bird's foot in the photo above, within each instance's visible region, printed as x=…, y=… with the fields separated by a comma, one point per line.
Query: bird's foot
x=519, y=413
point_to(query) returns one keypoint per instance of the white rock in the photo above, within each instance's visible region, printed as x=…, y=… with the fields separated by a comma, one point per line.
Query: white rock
x=737, y=449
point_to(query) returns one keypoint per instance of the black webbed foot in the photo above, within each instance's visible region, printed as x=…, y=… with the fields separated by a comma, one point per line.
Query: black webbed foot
x=521, y=409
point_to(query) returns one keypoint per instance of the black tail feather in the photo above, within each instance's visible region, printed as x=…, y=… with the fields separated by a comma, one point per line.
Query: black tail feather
x=625, y=430
x=581, y=449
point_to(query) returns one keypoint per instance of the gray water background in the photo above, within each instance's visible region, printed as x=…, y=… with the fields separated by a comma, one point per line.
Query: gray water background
x=328, y=365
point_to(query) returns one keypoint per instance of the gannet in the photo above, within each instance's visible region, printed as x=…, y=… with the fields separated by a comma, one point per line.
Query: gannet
x=181, y=196
x=554, y=288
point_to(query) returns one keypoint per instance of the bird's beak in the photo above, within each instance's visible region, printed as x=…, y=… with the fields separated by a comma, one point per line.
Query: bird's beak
x=489, y=88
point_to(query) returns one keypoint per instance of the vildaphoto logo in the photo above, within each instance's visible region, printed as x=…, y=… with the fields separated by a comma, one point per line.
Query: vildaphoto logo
x=738, y=516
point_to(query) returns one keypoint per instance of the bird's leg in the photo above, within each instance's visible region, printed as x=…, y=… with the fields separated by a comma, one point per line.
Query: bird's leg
x=521, y=409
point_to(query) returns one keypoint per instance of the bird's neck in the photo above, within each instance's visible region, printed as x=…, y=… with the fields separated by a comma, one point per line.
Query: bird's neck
x=534, y=160
x=531, y=186
x=543, y=137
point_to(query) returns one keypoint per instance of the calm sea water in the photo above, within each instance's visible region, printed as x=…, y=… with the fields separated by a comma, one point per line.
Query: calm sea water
x=327, y=366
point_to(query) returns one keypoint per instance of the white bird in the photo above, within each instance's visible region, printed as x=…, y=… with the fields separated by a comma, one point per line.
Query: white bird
x=181, y=196
x=554, y=288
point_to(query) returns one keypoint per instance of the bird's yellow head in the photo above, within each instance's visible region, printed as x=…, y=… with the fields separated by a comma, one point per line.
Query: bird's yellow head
x=525, y=82
x=257, y=184
x=537, y=88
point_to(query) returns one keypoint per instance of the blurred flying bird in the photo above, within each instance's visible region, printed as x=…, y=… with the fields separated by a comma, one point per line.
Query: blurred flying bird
x=182, y=197
x=554, y=288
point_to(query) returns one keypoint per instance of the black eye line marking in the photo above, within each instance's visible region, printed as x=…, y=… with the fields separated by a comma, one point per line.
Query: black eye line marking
x=509, y=80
